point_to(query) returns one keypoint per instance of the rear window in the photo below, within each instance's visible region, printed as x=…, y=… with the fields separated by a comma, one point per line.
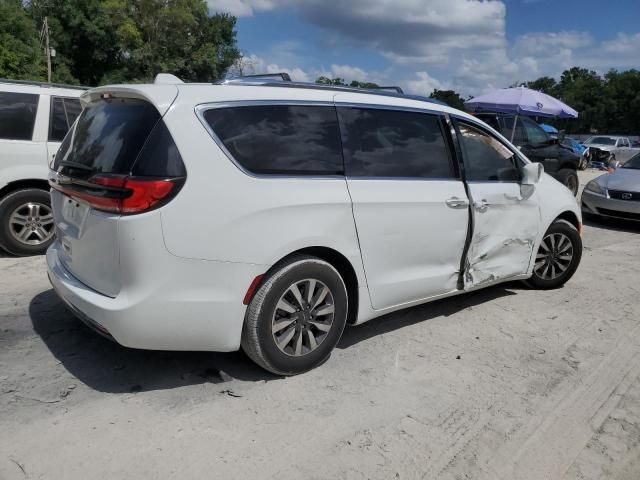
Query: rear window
x=108, y=136
x=17, y=115
x=280, y=139
x=64, y=112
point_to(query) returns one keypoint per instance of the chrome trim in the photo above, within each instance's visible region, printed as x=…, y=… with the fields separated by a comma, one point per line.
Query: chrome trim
x=378, y=106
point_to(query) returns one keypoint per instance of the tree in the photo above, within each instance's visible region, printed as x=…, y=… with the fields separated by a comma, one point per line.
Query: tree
x=341, y=82
x=546, y=85
x=20, y=54
x=450, y=97
x=105, y=41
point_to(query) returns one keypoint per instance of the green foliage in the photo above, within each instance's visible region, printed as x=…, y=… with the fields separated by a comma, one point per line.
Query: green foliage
x=341, y=82
x=450, y=97
x=106, y=41
x=20, y=54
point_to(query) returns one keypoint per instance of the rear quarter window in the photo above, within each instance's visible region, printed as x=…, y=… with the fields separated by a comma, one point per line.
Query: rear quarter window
x=17, y=115
x=280, y=139
x=64, y=112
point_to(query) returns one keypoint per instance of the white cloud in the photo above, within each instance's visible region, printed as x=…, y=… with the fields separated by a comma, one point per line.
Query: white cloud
x=423, y=84
x=239, y=8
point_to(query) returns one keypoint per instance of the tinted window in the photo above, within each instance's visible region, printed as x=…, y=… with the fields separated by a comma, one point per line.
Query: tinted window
x=108, y=136
x=17, y=115
x=519, y=137
x=64, y=112
x=387, y=143
x=535, y=134
x=280, y=139
x=159, y=156
x=485, y=157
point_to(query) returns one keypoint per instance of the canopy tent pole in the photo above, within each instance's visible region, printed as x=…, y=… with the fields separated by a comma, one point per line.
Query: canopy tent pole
x=513, y=130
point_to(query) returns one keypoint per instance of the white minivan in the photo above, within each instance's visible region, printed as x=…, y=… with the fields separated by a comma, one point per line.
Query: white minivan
x=269, y=214
x=34, y=118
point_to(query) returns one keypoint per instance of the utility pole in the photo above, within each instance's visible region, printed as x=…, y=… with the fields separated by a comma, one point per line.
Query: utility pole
x=44, y=36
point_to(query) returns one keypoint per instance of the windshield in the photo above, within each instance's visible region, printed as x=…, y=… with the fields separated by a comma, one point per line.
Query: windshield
x=633, y=162
x=602, y=141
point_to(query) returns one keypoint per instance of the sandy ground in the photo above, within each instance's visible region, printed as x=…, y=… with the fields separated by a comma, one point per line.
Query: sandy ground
x=505, y=383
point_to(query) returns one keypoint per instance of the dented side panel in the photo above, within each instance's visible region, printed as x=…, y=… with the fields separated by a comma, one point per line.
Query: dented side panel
x=506, y=225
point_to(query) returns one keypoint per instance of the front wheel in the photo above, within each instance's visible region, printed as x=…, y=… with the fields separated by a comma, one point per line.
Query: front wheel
x=296, y=316
x=569, y=178
x=26, y=222
x=558, y=256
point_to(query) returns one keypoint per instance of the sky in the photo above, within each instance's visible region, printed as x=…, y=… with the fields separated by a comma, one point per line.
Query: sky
x=471, y=46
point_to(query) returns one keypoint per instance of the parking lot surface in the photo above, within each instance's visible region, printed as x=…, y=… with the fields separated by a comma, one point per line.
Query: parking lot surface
x=503, y=383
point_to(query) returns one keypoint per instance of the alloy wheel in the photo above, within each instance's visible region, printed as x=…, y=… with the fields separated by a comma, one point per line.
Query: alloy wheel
x=554, y=256
x=32, y=223
x=303, y=317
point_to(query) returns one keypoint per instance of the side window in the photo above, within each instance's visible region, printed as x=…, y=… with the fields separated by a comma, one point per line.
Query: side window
x=64, y=112
x=519, y=137
x=535, y=134
x=389, y=143
x=485, y=157
x=280, y=139
x=17, y=115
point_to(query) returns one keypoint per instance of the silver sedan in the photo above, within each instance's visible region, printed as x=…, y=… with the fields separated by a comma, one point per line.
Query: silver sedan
x=615, y=194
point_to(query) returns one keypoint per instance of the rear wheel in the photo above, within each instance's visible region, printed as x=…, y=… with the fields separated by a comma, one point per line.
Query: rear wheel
x=569, y=178
x=26, y=222
x=296, y=317
x=558, y=256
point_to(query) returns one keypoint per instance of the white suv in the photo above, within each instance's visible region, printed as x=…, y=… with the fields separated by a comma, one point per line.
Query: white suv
x=268, y=215
x=34, y=118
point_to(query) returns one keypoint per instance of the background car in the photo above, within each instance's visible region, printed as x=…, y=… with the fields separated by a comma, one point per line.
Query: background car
x=606, y=151
x=559, y=162
x=34, y=118
x=615, y=194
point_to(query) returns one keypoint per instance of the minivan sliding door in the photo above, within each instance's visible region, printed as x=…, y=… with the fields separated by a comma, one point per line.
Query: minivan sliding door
x=410, y=207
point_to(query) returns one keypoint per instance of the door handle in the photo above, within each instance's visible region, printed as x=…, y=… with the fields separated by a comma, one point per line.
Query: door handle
x=455, y=202
x=482, y=205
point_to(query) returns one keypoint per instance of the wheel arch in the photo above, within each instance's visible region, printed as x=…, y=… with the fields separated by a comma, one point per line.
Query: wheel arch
x=16, y=185
x=344, y=267
x=570, y=217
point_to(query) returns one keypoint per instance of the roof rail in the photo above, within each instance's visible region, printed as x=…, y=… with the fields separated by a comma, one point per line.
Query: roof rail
x=390, y=87
x=43, y=84
x=284, y=76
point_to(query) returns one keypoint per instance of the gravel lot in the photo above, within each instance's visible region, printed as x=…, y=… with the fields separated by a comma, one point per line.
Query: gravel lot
x=504, y=383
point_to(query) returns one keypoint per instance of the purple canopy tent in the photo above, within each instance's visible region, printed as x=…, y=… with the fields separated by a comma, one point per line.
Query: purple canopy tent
x=521, y=100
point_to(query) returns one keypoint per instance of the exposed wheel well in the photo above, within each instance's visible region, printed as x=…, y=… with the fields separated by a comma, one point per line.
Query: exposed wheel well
x=344, y=267
x=20, y=184
x=571, y=218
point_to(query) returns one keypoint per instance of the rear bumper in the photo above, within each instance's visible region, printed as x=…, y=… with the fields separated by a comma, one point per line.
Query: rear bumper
x=610, y=207
x=193, y=305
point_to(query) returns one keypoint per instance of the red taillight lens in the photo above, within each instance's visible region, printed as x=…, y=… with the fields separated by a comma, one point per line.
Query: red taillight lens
x=145, y=194
x=120, y=193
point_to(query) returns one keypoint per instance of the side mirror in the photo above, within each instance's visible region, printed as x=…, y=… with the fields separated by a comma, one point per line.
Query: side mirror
x=531, y=173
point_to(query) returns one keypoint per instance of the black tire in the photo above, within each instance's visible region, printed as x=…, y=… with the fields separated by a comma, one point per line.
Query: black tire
x=569, y=178
x=559, y=227
x=16, y=202
x=258, y=338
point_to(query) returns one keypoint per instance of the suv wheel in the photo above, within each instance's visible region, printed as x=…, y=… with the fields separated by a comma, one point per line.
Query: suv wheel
x=26, y=222
x=569, y=178
x=558, y=256
x=296, y=317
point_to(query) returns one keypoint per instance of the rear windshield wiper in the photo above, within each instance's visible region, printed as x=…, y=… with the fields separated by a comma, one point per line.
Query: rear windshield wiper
x=77, y=165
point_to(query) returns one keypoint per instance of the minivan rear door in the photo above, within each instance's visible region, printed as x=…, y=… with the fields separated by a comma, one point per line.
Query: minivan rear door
x=409, y=205
x=103, y=144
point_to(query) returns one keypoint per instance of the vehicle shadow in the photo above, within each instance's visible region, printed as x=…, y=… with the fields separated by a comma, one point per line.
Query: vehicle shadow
x=106, y=366
x=425, y=312
x=619, y=225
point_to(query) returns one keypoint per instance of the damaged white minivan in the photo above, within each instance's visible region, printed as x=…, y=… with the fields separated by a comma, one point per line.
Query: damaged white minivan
x=267, y=215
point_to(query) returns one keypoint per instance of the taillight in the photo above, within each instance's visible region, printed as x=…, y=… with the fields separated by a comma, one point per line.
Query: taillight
x=121, y=193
